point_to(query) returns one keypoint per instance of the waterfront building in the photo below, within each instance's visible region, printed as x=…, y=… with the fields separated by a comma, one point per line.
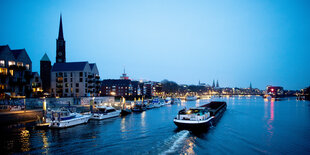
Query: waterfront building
x=15, y=72
x=36, y=85
x=116, y=87
x=45, y=73
x=75, y=79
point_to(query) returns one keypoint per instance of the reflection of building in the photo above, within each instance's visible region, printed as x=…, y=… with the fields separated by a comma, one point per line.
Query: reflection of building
x=15, y=72
x=75, y=79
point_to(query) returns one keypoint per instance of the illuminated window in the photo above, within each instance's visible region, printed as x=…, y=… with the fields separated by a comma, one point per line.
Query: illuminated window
x=20, y=64
x=11, y=63
x=27, y=66
x=2, y=63
x=11, y=72
x=3, y=71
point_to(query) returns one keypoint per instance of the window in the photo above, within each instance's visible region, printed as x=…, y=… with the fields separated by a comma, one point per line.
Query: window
x=71, y=85
x=66, y=84
x=65, y=79
x=3, y=71
x=11, y=72
x=71, y=74
x=2, y=63
x=81, y=73
x=20, y=64
x=85, y=74
x=66, y=90
x=27, y=66
x=85, y=90
x=77, y=84
x=81, y=79
x=76, y=90
x=65, y=74
x=71, y=80
x=11, y=63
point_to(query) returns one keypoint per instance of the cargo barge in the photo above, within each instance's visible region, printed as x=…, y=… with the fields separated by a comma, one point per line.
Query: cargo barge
x=200, y=117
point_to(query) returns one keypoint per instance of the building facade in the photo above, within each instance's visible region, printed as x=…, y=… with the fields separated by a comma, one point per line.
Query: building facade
x=15, y=73
x=45, y=73
x=75, y=79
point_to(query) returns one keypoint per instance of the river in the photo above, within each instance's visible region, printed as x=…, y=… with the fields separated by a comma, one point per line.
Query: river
x=250, y=125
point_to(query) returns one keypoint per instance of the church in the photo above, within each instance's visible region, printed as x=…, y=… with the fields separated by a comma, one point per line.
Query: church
x=68, y=79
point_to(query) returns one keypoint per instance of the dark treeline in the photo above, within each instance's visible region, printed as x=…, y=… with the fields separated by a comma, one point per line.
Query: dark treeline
x=173, y=87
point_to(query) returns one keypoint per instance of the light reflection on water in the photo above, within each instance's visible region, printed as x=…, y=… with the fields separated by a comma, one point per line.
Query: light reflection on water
x=139, y=132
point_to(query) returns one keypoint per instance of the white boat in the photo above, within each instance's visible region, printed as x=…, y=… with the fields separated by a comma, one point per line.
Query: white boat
x=104, y=112
x=191, y=98
x=63, y=118
x=176, y=101
x=156, y=103
x=168, y=100
x=162, y=102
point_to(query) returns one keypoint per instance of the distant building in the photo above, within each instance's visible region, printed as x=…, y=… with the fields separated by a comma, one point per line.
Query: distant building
x=275, y=91
x=45, y=72
x=116, y=87
x=124, y=76
x=75, y=79
x=15, y=72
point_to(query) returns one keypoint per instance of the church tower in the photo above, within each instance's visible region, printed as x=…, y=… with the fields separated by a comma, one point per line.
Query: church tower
x=60, y=45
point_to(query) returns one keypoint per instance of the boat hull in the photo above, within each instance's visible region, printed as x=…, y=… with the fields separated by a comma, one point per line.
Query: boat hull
x=193, y=125
x=105, y=116
x=70, y=122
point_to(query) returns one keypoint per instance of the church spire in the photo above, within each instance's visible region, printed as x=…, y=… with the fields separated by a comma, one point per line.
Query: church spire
x=60, y=35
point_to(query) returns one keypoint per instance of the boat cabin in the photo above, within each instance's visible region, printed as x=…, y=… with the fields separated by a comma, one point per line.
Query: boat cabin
x=194, y=114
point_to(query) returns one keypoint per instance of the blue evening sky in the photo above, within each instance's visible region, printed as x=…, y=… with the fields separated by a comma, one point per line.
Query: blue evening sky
x=233, y=41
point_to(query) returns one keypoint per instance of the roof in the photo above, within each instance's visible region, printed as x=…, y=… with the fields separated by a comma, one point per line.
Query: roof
x=115, y=82
x=92, y=65
x=16, y=53
x=45, y=58
x=69, y=66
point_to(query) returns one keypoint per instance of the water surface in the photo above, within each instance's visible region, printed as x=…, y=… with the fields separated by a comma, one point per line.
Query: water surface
x=249, y=126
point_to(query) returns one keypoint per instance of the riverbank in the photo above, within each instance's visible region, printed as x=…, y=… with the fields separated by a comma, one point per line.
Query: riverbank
x=12, y=117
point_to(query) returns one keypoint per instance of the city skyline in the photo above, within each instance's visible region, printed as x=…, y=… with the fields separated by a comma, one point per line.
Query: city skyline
x=172, y=40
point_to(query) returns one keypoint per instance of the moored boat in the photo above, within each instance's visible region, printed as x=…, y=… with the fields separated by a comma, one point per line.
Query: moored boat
x=63, y=118
x=191, y=98
x=176, y=101
x=156, y=103
x=200, y=117
x=168, y=100
x=126, y=109
x=139, y=107
x=104, y=112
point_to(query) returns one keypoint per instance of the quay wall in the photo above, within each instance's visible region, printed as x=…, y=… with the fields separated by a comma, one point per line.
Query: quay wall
x=13, y=117
x=32, y=108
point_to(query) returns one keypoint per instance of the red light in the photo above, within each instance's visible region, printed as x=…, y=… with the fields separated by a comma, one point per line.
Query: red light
x=272, y=89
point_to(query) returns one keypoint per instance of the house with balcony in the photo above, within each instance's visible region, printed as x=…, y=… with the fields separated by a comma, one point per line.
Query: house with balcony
x=75, y=79
x=15, y=73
